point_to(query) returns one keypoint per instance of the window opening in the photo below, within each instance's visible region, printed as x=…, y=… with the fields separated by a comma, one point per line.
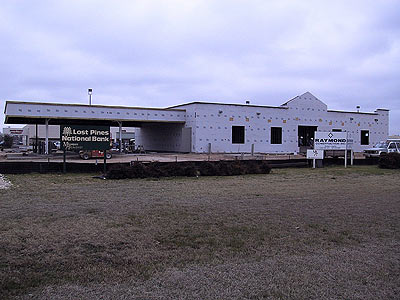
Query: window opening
x=276, y=135
x=237, y=134
x=364, y=137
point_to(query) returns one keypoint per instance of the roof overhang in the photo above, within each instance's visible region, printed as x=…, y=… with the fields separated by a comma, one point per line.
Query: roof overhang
x=18, y=112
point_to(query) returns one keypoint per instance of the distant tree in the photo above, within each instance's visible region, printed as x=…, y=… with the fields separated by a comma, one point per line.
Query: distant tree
x=8, y=140
x=1, y=137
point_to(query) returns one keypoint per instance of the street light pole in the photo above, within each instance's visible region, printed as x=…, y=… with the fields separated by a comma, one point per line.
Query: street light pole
x=90, y=91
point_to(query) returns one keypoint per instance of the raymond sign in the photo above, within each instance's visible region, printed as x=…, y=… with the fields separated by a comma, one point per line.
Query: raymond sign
x=84, y=137
x=332, y=141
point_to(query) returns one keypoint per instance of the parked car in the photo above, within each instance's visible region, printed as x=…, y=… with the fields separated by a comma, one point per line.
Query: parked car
x=94, y=154
x=383, y=147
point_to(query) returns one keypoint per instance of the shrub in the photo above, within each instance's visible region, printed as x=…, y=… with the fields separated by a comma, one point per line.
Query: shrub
x=228, y=168
x=265, y=167
x=119, y=171
x=253, y=167
x=389, y=161
x=138, y=170
x=207, y=169
x=8, y=141
x=189, y=169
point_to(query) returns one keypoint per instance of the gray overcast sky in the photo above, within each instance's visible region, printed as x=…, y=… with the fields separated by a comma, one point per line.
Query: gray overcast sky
x=161, y=53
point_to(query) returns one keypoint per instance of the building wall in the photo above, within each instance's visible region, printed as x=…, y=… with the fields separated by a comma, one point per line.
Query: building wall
x=20, y=135
x=212, y=124
x=54, y=132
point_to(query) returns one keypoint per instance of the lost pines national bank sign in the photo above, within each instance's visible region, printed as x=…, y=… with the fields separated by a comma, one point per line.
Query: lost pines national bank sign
x=84, y=137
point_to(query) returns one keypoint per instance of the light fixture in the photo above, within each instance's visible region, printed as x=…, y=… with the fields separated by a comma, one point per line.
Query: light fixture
x=90, y=92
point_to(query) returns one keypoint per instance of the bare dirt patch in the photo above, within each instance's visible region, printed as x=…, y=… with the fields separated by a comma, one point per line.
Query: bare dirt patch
x=4, y=182
x=293, y=234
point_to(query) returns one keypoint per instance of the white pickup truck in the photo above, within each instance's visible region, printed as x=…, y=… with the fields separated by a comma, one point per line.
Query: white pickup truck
x=383, y=147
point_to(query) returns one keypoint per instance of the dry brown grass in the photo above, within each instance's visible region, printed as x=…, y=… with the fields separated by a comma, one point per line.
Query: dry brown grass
x=294, y=234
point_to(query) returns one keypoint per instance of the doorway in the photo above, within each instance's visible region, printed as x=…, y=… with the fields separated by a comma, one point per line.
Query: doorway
x=306, y=137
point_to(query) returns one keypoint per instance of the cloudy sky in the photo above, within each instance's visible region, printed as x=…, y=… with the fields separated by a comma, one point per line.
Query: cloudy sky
x=160, y=53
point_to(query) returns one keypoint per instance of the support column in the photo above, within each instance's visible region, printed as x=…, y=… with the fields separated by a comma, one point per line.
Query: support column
x=36, y=139
x=345, y=151
x=352, y=156
x=47, y=137
x=120, y=136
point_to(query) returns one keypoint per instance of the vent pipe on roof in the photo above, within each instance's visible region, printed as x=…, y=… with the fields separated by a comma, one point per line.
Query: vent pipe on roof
x=358, y=108
x=247, y=101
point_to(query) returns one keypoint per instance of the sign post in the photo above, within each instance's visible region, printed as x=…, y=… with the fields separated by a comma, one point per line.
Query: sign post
x=65, y=161
x=105, y=162
x=345, y=156
x=351, y=156
x=315, y=154
x=85, y=137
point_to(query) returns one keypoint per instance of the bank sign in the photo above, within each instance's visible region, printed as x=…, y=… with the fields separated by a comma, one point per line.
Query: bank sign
x=332, y=141
x=84, y=137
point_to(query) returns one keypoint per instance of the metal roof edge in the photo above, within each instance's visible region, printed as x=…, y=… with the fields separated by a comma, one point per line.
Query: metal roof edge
x=352, y=112
x=89, y=119
x=233, y=104
x=85, y=105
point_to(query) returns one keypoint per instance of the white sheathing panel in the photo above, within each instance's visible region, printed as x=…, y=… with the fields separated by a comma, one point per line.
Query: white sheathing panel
x=307, y=102
x=190, y=123
x=93, y=112
x=212, y=123
x=377, y=124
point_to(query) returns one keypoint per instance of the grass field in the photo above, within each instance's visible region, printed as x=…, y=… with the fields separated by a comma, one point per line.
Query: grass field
x=329, y=233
